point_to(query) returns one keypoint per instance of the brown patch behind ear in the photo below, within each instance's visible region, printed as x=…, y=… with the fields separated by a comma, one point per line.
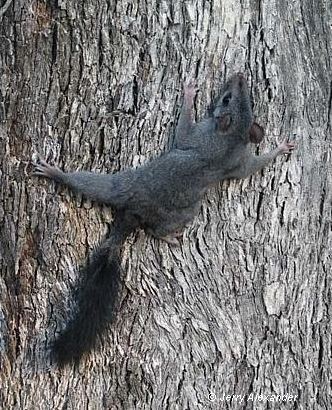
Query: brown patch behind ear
x=224, y=122
x=256, y=133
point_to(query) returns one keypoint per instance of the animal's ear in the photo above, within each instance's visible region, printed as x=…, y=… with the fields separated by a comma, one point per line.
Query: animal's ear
x=256, y=133
x=224, y=122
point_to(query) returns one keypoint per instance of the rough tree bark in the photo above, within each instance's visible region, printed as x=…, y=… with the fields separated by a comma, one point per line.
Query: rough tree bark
x=244, y=306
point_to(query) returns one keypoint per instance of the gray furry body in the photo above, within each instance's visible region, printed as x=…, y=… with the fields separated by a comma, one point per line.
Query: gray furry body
x=161, y=197
x=164, y=195
x=166, y=192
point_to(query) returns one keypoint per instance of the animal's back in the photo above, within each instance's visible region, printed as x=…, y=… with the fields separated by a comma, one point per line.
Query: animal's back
x=170, y=181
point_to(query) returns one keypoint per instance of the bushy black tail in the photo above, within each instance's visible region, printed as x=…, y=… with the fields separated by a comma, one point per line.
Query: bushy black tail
x=97, y=298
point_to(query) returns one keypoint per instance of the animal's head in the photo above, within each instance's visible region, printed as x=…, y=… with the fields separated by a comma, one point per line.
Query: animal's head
x=233, y=111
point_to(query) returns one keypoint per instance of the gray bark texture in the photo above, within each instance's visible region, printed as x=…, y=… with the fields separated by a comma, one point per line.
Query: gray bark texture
x=243, y=307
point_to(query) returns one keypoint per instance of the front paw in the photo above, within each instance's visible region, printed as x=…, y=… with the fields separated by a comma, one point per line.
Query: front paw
x=286, y=147
x=43, y=169
x=190, y=90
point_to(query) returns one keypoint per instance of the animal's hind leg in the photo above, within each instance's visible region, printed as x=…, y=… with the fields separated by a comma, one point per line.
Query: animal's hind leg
x=172, y=237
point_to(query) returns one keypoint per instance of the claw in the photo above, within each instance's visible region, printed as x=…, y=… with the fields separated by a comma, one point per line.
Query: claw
x=38, y=173
x=286, y=147
x=171, y=240
x=43, y=169
x=190, y=86
x=190, y=90
x=43, y=162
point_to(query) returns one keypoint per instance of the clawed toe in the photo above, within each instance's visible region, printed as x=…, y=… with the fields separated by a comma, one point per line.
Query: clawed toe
x=39, y=170
x=286, y=147
x=171, y=240
x=38, y=173
x=43, y=163
x=191, y=86
x=43, y=169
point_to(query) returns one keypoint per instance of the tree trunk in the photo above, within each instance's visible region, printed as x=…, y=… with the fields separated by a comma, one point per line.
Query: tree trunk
x=243, y=307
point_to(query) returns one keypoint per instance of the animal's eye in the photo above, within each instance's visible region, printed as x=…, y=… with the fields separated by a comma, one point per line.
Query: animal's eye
x=226, y=99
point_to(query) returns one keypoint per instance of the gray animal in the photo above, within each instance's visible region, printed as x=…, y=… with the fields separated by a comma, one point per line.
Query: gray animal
x=162, y=197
